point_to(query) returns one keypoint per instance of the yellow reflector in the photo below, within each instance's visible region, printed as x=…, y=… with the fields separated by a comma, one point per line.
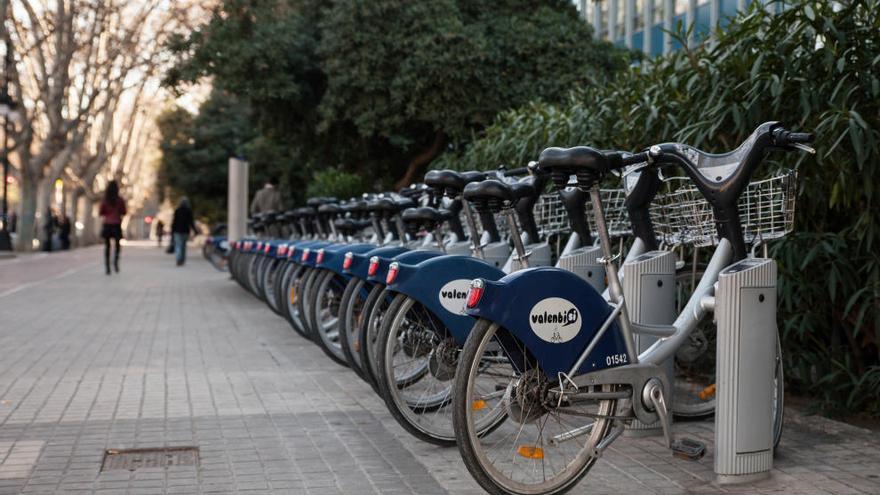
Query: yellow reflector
x=707, y=392
x=292, y=295
x=478, y=404
x=530, y=452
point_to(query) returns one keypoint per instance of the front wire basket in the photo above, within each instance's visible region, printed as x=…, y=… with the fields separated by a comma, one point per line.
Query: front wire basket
x=552, y=218
x=766, y=208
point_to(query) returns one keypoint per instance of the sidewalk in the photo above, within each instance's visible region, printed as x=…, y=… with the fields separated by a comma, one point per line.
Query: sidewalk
x=163, y=356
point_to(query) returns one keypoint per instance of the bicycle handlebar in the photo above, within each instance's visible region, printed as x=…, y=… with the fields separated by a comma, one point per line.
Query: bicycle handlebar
x=782, y=137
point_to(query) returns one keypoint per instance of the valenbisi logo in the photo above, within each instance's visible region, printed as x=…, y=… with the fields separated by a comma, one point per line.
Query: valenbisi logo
x=453, y=295
x=555, y=320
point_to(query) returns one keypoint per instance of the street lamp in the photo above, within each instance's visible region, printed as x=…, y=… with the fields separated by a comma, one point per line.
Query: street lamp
x=9, y=113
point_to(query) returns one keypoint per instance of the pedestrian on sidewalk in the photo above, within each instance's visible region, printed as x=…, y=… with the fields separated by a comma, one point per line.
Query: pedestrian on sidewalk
x=64, y=229
x=268, y=198
x=160, y=231
x=112, y=210
x=181, y=226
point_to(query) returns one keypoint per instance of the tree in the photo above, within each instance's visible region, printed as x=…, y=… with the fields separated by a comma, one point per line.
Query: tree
x=196, y=148
x=381, y=88
x=74, y=61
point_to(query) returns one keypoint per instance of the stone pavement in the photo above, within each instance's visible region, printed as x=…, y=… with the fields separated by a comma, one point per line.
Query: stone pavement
x=163, y=356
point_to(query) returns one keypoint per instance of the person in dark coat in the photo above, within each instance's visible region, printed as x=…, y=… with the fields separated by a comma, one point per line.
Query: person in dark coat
x=160, y=231
x=112, y=210
x=181, y=226
x=64, y=232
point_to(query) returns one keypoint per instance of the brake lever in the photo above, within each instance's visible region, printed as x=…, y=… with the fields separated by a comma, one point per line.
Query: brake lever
x=804, y=147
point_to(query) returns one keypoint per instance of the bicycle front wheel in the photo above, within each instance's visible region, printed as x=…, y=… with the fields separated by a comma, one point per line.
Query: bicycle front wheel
x=546, y=445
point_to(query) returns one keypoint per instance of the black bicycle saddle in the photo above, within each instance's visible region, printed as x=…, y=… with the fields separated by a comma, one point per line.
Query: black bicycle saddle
x=330, y=208
x=451, y=182
x=321, y=200
x=425, y=215
x=488, y=189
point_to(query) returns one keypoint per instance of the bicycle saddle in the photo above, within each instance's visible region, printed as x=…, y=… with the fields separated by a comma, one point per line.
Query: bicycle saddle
x=412, y=191
x=330, y=208
x=355, y=206
x=524, y=188
x=305, y=211
x=489, y=195
x=450, y=182
x=321, y=200
x=270, y=216
x=424, y=215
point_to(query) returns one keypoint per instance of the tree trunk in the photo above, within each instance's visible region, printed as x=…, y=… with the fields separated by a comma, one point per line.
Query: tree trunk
x=88, y=220
x=418, y=162
x=73, y=213
x=28, y=210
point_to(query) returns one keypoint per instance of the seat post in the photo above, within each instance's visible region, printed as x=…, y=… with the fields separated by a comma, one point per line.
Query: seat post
x=517, y=238
x=476, y=247
x=615, y=289
x=438, y=237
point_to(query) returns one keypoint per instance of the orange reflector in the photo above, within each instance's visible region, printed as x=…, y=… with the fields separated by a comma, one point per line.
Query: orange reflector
x=708, y=392
x=357, y=347
x=292, y=295
x=478, y=405
x=530, y=452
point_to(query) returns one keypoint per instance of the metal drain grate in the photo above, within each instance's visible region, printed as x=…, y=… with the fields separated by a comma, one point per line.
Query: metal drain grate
x=163, y=457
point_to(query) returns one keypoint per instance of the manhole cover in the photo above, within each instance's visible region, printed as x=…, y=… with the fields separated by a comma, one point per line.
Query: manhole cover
x=132, y=459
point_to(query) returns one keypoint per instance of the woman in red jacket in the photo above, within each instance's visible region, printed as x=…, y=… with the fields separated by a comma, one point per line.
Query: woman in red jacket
x=112, y=211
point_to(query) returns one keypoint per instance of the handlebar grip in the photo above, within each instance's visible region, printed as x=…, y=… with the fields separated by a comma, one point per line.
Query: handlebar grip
x=634, y=159
x=783, y=137
x=801, y=137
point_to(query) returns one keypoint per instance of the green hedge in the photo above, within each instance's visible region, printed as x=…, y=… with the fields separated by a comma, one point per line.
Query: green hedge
x=815, y=66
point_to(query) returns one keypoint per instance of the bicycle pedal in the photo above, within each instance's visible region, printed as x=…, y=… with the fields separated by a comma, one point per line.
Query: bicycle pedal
x=689, y=449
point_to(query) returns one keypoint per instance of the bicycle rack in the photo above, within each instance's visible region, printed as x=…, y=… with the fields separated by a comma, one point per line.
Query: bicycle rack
x=649, y=289
x=745, y=312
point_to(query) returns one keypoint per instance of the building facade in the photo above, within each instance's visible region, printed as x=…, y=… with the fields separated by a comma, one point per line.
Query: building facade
x=643, y=24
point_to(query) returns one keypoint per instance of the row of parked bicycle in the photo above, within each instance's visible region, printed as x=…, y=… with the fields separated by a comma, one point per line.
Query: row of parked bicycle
x=491, y=315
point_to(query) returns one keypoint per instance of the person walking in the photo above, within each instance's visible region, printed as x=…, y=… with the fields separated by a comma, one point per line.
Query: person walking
x=181, y=225
x=112, y=210
x=64, y=232
x=268, y=198
x=160, y=231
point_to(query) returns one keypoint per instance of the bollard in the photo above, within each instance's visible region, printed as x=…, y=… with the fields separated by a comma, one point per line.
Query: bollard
x=649, y=291
x=745, y=312
x=237, y=213
x=582, y=262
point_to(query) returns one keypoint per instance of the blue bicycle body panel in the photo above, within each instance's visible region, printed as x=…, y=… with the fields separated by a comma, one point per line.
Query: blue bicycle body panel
x=554, y=314
x=360, y=262
x=334, y=256
x=441, y=284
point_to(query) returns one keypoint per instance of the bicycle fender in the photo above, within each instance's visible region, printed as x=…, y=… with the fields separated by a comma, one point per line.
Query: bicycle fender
x=409, y=257
x=309, y=254
x=335, y=255
x=295, y=250
x=360, y=262
x=440, y=284
x=554, y=314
